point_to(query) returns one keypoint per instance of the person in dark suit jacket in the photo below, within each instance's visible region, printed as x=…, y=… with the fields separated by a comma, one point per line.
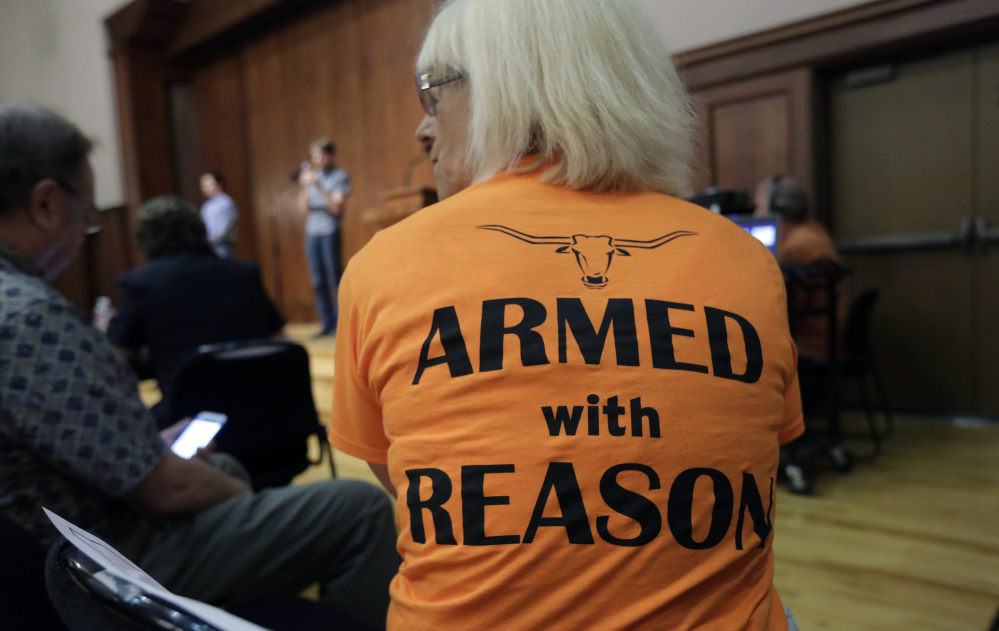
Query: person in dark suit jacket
x=185, y=296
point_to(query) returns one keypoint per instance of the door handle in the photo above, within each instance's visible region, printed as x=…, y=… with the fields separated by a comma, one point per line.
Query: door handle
x=967, y=231
x=985, y=234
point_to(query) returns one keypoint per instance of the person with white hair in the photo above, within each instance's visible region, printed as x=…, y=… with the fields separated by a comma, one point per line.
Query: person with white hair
x=575, y=382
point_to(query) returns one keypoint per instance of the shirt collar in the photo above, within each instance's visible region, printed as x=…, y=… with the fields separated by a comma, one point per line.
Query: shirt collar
x=19, y=261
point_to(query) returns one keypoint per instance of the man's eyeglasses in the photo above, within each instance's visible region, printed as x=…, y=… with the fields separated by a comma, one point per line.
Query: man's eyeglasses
x=426, y=84
x=94, y=215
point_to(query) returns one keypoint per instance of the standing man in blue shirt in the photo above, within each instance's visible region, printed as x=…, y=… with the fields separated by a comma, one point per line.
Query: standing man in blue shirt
x=219, y=214
x=322, y=193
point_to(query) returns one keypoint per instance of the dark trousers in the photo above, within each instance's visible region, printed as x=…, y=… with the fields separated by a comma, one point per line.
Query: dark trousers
x=323, y=255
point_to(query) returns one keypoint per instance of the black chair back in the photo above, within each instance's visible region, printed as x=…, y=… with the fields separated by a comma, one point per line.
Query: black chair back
x=265, y=388
x=90, y=600
x=857, y=327
x=88, y=603
x=24, y=600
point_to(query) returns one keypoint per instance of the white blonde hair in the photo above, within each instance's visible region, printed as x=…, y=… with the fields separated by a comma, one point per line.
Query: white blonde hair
x=587, y=83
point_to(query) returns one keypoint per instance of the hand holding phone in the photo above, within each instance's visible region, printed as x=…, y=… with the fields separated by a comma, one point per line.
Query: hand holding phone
x=198, y=433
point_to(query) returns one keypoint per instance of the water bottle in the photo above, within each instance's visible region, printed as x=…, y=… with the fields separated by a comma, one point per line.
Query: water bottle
x=103, y=312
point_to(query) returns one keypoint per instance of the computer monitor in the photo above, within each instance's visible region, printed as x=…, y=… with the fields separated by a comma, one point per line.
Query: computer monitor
x=766, y=229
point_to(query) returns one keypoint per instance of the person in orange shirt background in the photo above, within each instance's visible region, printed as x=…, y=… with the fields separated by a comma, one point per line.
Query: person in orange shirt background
x=806, y=251
x=575, y=382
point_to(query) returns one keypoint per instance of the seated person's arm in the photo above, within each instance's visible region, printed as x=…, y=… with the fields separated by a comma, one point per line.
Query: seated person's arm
x=381, y=472
x=177, y=485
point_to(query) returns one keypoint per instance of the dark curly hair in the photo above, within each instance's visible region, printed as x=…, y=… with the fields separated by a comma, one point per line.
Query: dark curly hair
x=169, y=225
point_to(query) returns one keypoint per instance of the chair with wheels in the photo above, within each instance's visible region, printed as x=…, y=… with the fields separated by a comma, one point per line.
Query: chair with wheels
x=813, y=292
x=265, y=388
x=90, y=599
x=860, y=366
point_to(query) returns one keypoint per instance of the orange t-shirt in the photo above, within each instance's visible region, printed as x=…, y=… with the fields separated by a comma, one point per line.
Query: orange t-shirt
x=580, y=399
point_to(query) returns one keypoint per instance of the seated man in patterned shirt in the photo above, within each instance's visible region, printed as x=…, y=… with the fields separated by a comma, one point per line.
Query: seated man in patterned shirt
x=75, y=437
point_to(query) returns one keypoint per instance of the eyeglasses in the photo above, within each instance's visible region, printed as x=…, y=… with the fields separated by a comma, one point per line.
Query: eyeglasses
x=425, y=84
x=93, y=213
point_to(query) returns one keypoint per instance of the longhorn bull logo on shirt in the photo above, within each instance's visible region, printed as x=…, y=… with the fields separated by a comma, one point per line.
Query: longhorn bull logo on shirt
x=593, y=253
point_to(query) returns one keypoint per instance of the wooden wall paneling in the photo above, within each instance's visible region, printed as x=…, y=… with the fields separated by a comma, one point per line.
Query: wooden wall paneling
x=339, y=69
x=358, y=112
x=388, y=109
x=395, y=146
x=756, y=128
x=75, y=282
x=210, y=20
x=420, y=169
x=222, y=129
x=187, y=148
x=376, y=150
x=986, y=275
x=138, y=32
x=272, y=153
x=309, y=95
x=113, y=247
x=348, y=73
x=144, y=120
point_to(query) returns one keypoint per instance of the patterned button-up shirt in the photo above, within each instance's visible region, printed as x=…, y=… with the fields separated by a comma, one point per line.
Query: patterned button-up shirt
x=74, y=434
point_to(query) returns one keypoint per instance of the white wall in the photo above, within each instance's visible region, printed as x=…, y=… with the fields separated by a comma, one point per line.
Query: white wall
x=687, y=24
x=53, y=52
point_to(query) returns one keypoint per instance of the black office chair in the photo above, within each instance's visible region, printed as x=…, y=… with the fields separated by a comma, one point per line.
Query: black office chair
x=24, y=600
x=819, y=380
x=265, y=388
x=88, y=599
x=860, y=366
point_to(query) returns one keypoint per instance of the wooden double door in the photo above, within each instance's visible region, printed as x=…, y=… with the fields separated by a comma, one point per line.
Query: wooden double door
x=914, y=197
x=902, y=160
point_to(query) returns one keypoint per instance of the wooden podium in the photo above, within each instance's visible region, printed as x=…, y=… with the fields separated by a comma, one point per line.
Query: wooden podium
x=398, y=204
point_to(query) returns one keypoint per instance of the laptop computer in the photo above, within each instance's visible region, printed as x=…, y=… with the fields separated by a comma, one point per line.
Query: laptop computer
x=765, y=229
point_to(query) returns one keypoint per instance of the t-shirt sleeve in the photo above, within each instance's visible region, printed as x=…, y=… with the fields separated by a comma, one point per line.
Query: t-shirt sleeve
x=73, y=399
x=356, y=427
x=793, y=424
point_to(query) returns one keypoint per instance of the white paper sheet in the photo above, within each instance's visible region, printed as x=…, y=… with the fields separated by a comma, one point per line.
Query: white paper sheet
x=117, y=565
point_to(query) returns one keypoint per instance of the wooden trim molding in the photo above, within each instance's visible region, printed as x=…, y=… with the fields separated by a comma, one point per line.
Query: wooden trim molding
x=867, y=30
x=148, y=23
x=210, y=22
x=753, y=158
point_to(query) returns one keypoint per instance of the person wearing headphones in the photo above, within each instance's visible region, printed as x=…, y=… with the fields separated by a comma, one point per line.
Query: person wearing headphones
x=805, y=250
x=803, y=240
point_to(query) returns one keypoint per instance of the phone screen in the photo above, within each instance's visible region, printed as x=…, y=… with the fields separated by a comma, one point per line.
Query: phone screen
x=197, y=434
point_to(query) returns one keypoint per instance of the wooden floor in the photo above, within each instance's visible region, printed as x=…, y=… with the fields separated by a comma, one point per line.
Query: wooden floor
x=907, y=543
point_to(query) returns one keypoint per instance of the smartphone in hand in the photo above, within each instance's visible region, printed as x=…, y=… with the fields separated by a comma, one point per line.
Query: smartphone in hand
x=198, y=433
